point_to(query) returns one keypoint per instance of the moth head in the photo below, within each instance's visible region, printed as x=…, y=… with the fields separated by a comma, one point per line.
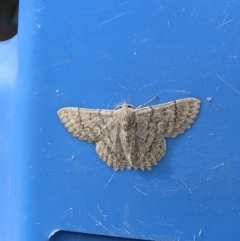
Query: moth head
x=124, y=105
x=125, y=115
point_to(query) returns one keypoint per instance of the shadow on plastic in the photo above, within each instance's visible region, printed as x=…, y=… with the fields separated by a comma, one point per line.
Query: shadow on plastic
x=74, y=236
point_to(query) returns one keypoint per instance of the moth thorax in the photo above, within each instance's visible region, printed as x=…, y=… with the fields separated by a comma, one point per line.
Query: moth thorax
x=127, y=119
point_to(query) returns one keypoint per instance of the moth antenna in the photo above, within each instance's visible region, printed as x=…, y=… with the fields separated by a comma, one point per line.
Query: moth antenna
x=153, y=98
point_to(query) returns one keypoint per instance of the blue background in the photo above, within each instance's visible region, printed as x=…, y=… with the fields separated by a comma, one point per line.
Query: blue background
x=96, y=55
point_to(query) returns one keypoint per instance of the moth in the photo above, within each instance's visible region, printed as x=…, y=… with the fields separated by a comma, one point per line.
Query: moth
x=130, y=137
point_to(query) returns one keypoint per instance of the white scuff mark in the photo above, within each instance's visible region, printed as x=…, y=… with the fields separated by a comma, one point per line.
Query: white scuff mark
x=228, y=84
x=146, y=194
x=110, y=179
x=48, y=67
x=145, y=40
x=178, y=91
x=122, y=86
x=134, y=43
x=224, y=21
x=189, y=189
x=192, y=12
x=127, y=231
x=203, y=206
x=139, y=221
x=200, y=232
x=118, y=229
x=73, y=156
x=118, y=16
x=101, y=212
x=98, y=223
x=71, y=39
x=220, y=165
x=145, y=86
x=104, y=56
x=123, y=3
x=24, y=216
x=58, y=93
x=38, y=10
x=209, y=98
x=200, y=154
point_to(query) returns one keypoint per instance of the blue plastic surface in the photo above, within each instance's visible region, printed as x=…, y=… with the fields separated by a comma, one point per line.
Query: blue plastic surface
x=8, y=171
x=96, y=55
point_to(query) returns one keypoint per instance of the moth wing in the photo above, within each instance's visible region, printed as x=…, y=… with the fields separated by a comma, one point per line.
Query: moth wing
x=150, y=144
x=171, y=118
x=110, y=149
x=86, y=124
